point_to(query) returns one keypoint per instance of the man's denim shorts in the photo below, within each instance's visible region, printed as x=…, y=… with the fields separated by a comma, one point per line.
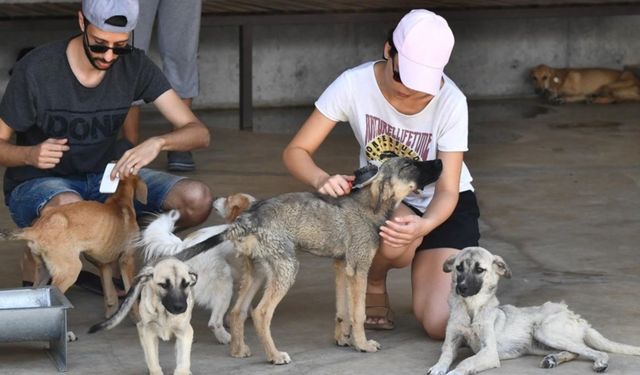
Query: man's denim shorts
x=28, y=198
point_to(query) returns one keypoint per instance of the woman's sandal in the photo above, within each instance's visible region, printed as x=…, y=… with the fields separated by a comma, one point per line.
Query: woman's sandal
x=377, y=308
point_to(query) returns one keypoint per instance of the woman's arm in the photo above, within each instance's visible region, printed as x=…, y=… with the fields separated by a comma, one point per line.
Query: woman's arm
x=404, y=229
x=297, y=156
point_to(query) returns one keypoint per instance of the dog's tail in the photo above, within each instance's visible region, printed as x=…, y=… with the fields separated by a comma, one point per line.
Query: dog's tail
x=596, y=340
x=11, y=234
x=201, y=247
x=127, y=304
x=158, y=240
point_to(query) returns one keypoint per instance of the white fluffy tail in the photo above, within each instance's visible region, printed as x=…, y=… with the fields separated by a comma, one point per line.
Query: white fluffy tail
x=595, y=340
x=158, y=240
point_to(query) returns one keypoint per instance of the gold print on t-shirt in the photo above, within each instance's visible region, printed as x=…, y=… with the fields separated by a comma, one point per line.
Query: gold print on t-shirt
x=384, y=143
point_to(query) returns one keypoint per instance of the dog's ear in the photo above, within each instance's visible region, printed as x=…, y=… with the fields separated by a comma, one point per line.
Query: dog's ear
x=502, y=268
x=238, y=203
x=447, y=266
x=141, y=191
x=144, y=275
x=376, y=188
x=194, y=278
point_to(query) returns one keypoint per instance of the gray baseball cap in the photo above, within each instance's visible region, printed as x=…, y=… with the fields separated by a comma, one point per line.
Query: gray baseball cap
x=114, y=16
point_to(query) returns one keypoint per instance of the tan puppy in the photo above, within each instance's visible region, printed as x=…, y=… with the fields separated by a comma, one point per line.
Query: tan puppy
x=166, y=302
x=597, y=85
x=497, y=332
x=105, y=233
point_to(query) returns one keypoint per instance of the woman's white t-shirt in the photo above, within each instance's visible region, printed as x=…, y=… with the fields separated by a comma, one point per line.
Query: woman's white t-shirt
x=442, y=125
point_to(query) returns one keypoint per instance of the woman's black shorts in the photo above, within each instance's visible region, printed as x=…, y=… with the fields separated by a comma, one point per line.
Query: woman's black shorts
x=460, y=230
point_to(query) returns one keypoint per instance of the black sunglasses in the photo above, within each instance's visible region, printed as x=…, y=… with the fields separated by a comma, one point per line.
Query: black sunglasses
x=99, y=48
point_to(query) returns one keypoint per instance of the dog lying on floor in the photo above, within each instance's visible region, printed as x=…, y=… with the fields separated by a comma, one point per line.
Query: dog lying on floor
x=166, y=302
x=498, y=332
x=104, y=233
x=217, y=268
x=345, y=228
x=596, y=85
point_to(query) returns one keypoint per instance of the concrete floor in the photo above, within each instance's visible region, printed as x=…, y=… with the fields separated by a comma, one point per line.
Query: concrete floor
x=558, y=188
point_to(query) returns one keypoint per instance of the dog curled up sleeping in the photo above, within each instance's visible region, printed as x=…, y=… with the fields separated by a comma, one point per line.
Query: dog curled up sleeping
x=596, y=85
x=345, y=228
x=104, y=233
x=497, y=332
x=166, y=302
x=218, y=267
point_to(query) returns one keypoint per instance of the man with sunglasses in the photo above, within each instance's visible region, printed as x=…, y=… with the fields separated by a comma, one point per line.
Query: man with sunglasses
x=66, y=103
x=403, y=105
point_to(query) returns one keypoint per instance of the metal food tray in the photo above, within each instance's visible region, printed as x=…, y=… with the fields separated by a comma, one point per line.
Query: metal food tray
x=36, y=314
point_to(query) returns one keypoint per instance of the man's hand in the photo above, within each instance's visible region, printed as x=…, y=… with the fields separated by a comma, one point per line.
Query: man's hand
x=47, y=154
x=136, y=158
x=402, y=230
x=336, y=185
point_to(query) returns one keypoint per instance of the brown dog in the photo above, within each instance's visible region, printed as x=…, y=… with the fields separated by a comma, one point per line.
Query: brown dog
x=596, y=85
x=105, y=233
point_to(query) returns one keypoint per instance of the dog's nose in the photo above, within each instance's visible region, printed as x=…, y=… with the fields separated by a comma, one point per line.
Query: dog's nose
x=461, y=289
x=178, y=308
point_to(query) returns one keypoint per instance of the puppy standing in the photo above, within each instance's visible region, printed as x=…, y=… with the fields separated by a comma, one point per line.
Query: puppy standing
x=497, y=332
x=218, y=267
x=165, y=310
x=105, y=233
x=344, y=228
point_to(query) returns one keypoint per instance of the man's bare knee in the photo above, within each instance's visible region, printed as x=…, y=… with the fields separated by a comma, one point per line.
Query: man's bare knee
x=61, y=199
x=193, y=199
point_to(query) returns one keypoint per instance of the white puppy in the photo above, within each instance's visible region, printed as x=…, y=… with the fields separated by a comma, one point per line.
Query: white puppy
x=217, y=268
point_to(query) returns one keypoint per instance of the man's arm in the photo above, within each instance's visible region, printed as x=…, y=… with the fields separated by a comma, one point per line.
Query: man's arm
x=188, y=133
x=44, y=156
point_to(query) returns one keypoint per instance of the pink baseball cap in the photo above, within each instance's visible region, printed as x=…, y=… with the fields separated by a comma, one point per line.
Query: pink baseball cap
x=424, y=42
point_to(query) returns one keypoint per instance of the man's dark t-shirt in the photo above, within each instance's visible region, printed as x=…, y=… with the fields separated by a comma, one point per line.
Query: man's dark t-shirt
x=44, y=99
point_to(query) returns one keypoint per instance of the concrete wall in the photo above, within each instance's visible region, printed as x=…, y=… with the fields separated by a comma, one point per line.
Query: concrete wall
x=294, y=63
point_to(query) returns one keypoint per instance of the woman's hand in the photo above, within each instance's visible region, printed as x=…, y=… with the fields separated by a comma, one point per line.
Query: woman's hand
x=336, y=185
x=402, y=230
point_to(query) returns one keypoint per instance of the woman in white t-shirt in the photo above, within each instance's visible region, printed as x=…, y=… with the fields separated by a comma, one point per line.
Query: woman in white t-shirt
x=403, y=104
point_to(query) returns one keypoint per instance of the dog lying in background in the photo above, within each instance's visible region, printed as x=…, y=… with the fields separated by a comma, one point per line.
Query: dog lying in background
x=104, y=233
x=596, y=85
x=166, y=302
x=498, y=332
x=217, y=268
x=345, y=228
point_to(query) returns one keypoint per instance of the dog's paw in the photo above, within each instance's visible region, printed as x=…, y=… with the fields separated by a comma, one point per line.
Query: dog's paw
x=182, y=371
x=371, y=346
x=343, y=340
x=157, y=371
x=280, y=358
x=600, y=366
x=222, y=335
x=241, y=352
x=549, y=361
x=71, y=337
x=437, y=370
x=556, y=100
x=456, y=372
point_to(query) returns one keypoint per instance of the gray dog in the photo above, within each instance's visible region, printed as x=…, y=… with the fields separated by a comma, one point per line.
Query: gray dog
x=344, y=228
x=496, y=332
